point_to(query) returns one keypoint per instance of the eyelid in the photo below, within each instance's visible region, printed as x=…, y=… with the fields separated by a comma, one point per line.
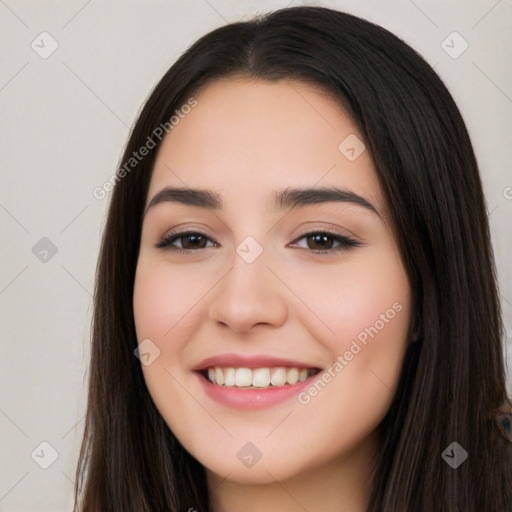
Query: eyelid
x=326, y=227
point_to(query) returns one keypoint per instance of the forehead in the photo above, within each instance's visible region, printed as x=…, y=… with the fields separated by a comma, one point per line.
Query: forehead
x=244, y=138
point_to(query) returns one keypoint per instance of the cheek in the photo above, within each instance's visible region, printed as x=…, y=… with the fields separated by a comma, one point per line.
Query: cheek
x=163, y=306
x=366, y=305
x=366, y=291
x=373, y=301
x=163, y=299
x=152, y=298
x=364, y=308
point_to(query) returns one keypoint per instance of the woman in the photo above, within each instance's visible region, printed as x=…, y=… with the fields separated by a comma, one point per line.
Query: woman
x=297, y=253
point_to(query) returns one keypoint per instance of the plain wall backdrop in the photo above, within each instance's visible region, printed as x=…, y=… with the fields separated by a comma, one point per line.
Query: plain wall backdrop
x=73, y=76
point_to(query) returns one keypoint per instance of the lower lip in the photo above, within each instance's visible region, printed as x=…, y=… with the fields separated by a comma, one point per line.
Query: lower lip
x=252, y=398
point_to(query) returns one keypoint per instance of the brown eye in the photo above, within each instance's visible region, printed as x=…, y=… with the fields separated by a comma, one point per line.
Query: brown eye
x=189, y=241
x=323, y=242
x=320, y=241
x=192, y=241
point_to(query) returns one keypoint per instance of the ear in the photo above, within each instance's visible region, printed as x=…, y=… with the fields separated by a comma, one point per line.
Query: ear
x=503, y=420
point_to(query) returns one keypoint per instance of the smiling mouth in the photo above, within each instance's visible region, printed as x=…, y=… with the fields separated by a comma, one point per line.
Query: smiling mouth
x=257, y=378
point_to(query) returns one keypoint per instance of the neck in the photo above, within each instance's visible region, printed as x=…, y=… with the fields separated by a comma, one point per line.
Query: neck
x=342, y=484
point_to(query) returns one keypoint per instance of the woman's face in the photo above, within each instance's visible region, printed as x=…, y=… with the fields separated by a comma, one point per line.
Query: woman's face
x=290, y=270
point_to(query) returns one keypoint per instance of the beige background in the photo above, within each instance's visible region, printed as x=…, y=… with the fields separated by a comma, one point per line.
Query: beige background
x=65, y=119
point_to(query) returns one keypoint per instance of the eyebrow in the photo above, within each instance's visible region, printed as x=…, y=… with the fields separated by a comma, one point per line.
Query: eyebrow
x=284, y=199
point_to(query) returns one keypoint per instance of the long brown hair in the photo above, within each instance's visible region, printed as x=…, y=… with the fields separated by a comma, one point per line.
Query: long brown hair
x=453, y=376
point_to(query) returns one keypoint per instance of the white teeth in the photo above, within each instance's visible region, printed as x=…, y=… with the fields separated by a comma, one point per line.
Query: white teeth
x=243, y=377
x=229, y=376
x=261, y=377
x=292, y=375
x=218, y=376
x=278, y=377
x=257, y=377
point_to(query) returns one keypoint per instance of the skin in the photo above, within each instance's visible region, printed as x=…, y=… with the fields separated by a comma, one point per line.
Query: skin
x=243, y=140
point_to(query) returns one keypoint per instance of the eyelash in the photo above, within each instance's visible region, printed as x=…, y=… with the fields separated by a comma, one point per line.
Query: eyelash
x=345, y=242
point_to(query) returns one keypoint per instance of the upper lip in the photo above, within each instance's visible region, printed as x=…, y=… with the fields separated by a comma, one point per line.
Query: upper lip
x=232, y=360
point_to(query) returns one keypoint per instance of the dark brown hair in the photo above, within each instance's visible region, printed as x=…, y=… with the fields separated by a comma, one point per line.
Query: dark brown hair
x=453, y=376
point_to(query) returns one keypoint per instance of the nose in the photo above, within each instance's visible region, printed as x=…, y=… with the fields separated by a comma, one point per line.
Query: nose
x=247, y=296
